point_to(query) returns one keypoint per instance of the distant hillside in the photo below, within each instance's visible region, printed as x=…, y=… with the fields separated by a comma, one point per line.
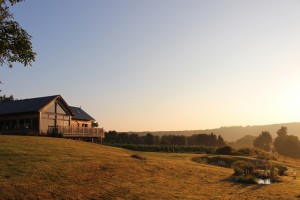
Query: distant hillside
x=236, y=132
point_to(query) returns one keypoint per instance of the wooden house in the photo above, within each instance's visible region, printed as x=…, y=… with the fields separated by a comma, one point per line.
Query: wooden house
x=46, y=116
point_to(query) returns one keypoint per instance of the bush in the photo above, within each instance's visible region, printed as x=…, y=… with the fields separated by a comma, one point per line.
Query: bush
x=247, y=172
x=55, y=134
x=281, y=170
x=220, y=161
x=245, y=179
x=244, y=172
x=253, y=152
x=243, y=168
x=226, y=150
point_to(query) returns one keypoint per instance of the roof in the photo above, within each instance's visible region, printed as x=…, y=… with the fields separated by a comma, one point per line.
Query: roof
x=25, y=105
x=80, y=114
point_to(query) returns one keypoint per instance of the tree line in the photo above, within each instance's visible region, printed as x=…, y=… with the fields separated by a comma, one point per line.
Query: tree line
x=284, y=144
x=6, y=98
x=113, y=137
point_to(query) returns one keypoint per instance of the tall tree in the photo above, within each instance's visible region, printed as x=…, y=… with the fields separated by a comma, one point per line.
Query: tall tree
x=282, y=131
x=15, y=42
x=220, y=141
x=287, y=145
x=263, y=141
x=149, y=139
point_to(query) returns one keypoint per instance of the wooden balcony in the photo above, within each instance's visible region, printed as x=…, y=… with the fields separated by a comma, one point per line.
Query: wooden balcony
x=78, y=132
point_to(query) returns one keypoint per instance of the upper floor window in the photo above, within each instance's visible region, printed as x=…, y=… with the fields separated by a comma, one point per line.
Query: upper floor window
x=59, y=109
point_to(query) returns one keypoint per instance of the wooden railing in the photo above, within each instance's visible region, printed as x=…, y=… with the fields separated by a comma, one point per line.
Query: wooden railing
x=69, y=131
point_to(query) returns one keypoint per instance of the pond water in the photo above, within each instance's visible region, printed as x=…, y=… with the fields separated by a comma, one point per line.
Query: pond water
x=264, y=181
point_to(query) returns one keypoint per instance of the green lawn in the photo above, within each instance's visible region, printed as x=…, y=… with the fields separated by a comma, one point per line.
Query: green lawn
x=56, y=168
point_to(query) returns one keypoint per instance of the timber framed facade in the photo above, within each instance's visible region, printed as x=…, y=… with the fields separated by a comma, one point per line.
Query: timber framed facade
x=47, y=116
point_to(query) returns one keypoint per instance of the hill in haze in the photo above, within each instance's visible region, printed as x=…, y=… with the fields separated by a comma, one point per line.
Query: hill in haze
x=234, y=133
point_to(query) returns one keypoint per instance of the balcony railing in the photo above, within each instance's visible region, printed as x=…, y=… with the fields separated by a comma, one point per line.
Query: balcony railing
x=69, y=131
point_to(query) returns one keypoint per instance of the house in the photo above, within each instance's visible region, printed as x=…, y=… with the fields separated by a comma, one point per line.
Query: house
x=47, y=115
x=81, y=118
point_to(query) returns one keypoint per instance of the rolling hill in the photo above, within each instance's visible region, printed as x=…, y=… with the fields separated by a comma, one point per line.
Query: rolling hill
x=233, y=133
x=56, y=168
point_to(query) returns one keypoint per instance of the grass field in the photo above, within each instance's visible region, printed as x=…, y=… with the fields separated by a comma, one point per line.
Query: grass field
x=56, y=168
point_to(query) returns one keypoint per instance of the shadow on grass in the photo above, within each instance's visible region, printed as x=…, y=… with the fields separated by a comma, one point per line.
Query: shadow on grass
x=137, y=156
x=251, y=186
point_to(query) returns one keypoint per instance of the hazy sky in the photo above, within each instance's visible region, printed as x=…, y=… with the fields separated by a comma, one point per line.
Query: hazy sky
x=164, y=64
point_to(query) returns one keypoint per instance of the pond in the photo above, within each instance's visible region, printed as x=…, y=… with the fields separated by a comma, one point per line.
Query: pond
x=264, y=181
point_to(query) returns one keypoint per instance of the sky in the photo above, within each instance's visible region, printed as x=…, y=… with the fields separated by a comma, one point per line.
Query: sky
x=155, y=65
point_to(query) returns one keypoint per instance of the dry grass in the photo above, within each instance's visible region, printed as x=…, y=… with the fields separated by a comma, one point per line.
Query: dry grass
x=53, y=168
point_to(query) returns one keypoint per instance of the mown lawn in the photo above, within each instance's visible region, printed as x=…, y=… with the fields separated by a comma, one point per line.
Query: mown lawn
x=55, y=168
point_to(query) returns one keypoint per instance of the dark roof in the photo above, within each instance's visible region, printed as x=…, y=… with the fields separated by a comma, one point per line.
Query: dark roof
x=80, y=114
x=25, y=105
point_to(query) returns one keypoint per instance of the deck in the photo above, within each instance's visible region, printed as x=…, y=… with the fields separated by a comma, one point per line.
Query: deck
x=78, y=132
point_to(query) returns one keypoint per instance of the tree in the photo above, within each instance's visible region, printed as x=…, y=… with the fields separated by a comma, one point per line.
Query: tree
x=95, y=124
x=220, y=141
x=287, y=145
x=134, y=138
x=282, y=131
x=5, y=98
x=149, y=139
x=15, y=44
x=111, y=137
x=123, y=138
x=245, y=141
x=263, y=141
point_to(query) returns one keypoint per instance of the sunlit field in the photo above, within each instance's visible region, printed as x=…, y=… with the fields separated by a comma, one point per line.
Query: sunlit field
x=55, y=168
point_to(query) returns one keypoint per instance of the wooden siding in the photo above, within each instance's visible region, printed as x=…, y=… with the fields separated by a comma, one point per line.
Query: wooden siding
x=79, y=123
